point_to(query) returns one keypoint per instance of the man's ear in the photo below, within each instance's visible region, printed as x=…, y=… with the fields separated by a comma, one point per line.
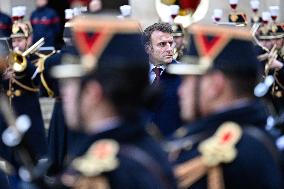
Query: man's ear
x=148, y=49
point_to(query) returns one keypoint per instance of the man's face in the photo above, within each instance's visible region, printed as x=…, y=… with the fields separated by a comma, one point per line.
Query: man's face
x=161, y=48
x=267, y=43
x=19, y=43
x=186, y=98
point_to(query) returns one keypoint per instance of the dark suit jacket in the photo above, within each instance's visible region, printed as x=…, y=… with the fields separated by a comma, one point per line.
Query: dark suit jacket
x=166, y=113
x=28, y=103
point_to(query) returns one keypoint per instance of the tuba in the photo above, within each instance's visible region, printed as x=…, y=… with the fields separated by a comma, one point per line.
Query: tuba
x=18, y=61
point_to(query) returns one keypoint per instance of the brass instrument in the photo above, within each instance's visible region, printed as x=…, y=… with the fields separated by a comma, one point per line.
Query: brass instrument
x=263, y=87
x=17, y=60
x=254, y=29
x=40, y=68
x=273, y=54
x=40, y=62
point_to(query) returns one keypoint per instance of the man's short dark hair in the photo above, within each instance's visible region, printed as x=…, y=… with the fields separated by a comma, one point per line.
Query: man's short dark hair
x=160, y=26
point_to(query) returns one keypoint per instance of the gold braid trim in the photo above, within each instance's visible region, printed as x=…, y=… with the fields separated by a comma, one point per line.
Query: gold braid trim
x=40, y=67
x=191, y=171
x=215, y=178
x=277, y=81
x=25, y=86
x=219, y=148
x=45, y=85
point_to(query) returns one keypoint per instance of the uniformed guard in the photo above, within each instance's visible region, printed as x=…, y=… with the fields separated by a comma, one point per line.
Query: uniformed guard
x=22, y=90
x=178, y=34
x=255, y=8
x=109, y=101
x=236, y=17
x=45, y=23
x=271, y=39
x=224, y=144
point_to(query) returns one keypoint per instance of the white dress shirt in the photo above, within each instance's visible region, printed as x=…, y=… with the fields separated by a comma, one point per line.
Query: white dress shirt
x=152, y=74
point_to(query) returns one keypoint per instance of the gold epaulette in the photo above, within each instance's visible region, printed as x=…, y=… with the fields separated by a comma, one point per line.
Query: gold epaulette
x=220, y=148
x=101, y=157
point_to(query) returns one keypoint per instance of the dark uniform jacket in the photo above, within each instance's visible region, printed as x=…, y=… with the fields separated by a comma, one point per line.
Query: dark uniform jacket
x=45, y=23
x=132, y=174
x=60, y=138
x=166, y=113
x=27, y=102
x=278, y=89
x=6, y=154
x=5, y=25
x=254, y=166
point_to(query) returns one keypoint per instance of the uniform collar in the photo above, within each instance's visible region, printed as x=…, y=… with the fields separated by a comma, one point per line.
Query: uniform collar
x=124, y=132
x=253, y=112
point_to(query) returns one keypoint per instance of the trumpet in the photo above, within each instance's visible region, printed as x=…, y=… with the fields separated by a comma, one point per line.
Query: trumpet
x=18, y=61
x=273, y=54
x=263, y=87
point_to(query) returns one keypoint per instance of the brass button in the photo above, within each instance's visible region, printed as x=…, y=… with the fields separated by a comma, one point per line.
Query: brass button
x=9, y=93
x=17, y=93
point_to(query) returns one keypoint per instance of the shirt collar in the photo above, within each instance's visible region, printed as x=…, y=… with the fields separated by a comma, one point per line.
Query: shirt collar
x=159, y=66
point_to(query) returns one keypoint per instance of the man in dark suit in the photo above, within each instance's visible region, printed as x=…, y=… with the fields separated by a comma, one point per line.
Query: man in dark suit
x=225, y=144
x=159, y=45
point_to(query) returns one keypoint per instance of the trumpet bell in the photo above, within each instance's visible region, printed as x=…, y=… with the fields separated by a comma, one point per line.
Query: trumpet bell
x=17, y=61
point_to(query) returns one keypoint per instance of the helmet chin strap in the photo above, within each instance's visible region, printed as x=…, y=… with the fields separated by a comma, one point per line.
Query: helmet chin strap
x=81, y=126
x=196, y=96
